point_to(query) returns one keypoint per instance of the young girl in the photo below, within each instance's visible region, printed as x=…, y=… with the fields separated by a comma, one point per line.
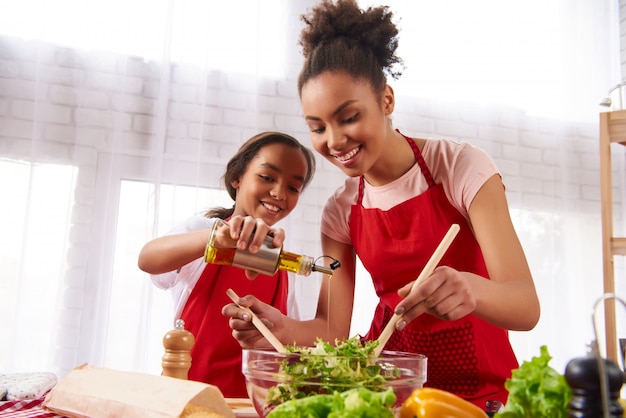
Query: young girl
x=401, y=196
x=265, y=179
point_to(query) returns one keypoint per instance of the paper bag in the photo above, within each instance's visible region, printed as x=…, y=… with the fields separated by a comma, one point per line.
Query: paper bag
x=94, y=392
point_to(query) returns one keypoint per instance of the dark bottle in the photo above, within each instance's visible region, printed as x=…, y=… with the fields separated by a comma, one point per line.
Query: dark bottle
x=583, y=378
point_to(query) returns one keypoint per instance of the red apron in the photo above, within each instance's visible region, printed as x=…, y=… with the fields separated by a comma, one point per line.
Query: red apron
x=216, y=355
x=469, y=357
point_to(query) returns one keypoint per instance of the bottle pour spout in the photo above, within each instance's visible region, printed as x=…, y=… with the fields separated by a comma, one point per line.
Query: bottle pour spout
x=327, y=270
x=322, y=269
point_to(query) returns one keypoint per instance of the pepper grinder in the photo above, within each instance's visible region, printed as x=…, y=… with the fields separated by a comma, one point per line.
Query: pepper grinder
x=177, y=358
x=583, y=375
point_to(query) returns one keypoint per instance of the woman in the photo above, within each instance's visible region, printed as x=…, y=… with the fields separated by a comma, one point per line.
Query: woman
x=401, y=196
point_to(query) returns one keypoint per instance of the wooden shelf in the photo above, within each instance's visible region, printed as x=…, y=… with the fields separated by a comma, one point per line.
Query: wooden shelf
x=612, y=130
x=617, y=126
x=618, y=246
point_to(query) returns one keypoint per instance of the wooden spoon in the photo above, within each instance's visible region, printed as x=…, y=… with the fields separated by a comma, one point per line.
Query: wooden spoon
x=269, y=336
x=427, y=271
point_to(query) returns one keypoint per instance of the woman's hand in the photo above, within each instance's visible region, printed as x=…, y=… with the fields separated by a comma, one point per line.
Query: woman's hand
x=446, y=294
x=240, y=321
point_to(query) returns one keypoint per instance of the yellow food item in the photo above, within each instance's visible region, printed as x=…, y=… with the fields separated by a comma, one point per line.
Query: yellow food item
x=437, y=403
x=196, y=411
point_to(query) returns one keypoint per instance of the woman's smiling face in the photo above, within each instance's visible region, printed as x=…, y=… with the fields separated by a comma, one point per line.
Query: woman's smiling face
x=271, y=185
x=347, y=121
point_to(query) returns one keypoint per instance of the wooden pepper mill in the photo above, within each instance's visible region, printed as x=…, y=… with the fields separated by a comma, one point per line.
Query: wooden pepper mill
x=177, y=358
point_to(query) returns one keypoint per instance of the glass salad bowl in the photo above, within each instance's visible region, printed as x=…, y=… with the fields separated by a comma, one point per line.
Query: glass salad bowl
x=273, y=378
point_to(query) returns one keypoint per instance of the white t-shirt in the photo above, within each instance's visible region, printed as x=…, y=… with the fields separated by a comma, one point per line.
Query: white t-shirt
x=182, y=282
x=461, y=168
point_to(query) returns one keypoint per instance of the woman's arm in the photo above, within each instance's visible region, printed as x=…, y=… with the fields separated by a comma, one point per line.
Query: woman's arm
x=509, y=300
x=336, y=298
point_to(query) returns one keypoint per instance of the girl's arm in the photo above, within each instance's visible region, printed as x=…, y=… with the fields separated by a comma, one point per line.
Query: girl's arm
x=171, y=252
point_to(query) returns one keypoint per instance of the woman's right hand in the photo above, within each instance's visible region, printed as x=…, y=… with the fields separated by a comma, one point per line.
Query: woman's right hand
x=243, y=330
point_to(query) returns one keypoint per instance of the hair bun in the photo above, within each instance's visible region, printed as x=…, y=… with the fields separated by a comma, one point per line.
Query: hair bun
x=341, y=26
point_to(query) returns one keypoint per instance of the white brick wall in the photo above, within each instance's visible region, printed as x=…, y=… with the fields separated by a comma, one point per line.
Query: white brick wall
x=82, y=99
x=622, y=31
x=89, y=105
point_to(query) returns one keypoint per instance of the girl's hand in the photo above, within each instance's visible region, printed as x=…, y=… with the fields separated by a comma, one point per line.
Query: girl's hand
x=446, y=294
x=240, y=321
x=250, y=233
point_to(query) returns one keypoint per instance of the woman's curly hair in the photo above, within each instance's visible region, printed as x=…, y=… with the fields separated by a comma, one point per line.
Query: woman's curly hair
x=339, y=36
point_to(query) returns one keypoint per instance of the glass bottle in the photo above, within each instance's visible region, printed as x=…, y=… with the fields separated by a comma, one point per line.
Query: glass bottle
x=222, y=249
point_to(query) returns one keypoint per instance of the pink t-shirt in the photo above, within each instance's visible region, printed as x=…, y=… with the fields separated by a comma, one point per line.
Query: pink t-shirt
x=461, y=167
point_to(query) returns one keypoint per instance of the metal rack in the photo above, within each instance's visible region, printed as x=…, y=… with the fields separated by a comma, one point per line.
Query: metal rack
x=602, y=372
x=612, y=130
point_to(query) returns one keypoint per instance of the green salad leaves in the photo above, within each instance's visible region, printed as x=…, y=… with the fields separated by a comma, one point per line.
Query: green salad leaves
x=353, y=403
x=326, y=368
x=536, y=390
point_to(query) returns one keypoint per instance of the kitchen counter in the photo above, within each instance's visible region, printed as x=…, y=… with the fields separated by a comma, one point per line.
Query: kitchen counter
x=32, y=409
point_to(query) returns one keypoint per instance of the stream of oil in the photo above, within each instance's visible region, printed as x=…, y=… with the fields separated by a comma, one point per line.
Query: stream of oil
x=330, y=276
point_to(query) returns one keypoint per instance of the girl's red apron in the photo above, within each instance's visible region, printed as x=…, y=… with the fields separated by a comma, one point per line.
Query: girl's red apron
x=469, y=357
x=216, y=355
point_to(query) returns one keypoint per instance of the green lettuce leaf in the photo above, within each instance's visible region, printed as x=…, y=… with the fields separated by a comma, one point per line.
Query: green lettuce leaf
x=536, y=390
x=353, y=403
x=326, y=368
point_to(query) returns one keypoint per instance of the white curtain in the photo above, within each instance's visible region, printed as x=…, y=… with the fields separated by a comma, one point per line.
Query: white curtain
x=115, y=124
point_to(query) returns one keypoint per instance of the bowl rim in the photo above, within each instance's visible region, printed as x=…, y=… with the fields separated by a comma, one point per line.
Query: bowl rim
x=385, y=354
x=253, y=360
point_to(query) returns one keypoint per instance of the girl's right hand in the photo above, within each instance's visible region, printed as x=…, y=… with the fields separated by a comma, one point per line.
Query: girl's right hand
x=250, y=233
x=243, y=330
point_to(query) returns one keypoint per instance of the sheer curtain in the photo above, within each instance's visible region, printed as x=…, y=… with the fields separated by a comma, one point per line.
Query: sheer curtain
x=116, y=124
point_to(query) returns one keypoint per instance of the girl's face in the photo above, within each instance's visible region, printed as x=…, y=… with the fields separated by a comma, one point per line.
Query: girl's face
x=347, y=121
x=270, y=187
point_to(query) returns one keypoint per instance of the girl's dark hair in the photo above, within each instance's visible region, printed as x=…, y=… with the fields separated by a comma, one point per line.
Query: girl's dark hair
x=239, y=162
x=341, y=37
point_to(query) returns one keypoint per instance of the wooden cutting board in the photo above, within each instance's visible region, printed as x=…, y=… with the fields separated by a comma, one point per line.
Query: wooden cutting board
x=242, y=407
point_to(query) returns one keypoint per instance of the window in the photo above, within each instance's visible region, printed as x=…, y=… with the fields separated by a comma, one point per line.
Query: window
x=140, y=313
x=517, y=55
x=36, y=206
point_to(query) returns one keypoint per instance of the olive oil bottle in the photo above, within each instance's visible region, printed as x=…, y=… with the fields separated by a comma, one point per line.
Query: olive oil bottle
x=221, y=249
